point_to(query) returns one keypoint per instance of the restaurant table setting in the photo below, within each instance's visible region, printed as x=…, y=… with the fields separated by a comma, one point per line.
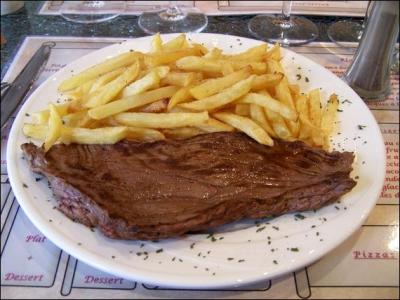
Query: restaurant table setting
x=348, y=250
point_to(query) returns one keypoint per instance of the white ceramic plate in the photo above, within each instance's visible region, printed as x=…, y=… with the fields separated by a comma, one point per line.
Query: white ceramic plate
x=240, y=253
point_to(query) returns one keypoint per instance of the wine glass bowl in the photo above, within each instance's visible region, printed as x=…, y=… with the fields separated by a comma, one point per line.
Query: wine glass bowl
x=284, y=29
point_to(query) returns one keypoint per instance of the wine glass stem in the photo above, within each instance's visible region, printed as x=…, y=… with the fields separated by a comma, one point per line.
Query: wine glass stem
x=173, y=12
x=286, y=10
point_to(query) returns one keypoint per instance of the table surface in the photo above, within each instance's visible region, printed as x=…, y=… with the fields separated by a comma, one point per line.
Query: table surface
x=31, y=23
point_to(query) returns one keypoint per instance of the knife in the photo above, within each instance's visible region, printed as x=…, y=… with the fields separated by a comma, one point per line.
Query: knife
x=13, y=94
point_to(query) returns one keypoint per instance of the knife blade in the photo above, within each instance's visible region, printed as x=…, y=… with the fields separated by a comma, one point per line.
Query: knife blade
x=17, y=90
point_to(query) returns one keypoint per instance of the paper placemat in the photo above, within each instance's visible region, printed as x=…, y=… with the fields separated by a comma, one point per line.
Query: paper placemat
x=365, y=266
x=327, y=8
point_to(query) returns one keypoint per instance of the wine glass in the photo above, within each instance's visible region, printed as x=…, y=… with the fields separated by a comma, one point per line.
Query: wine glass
x=348, y=31
x=173, y=19
x=284, y=29
x=91, y=11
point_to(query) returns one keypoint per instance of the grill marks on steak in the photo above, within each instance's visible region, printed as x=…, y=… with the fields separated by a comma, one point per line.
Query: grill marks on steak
x=134, y=190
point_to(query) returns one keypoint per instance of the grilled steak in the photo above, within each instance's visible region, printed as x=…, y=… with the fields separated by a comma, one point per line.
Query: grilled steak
x=134, y=190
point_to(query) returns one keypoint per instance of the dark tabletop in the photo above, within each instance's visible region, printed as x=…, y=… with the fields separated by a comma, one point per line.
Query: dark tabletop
x=15, y=27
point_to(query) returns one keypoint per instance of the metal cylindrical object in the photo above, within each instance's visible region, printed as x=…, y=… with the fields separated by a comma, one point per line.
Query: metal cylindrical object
x=369, y=72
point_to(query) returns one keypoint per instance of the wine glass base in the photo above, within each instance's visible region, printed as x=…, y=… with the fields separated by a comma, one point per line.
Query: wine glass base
x=88, y=19
x=345, y=31
x=87, y=12
x=153, y=22
x=274, y=29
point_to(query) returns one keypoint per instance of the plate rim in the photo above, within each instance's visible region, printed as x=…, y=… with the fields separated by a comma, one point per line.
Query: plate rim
x=145, y=276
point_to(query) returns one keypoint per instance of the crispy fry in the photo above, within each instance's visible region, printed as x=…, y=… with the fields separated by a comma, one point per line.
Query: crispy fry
x=180, y=78
x=42, y=117
x=182, y=95
x=315, y=107
x=131, y=102
x=214, y=86
x=162, y=120
x=104, y=135
x=194, y=63
x=144, y=134
x=200, y=47
x=242, y=109
x=213, y=125
x=175, y=44
x=158, y=59
x=155, y=107
x=265, y=81
x=302, y=108
x=221, y=99
x=282, y=93
x=257, y=67
x=278, y=124
x=246, y=125
x=156, y=43
x=141, y=85
x=254, y=54
x=116, y=62
x=55, y=125
x=104, y=79
x=257, y=115
x=270, y=103
x=214, y=53
x=35, y=131
x=329, y=115
x=111, y=89
x=275, y=52
x=77, y=119
x=274, y=67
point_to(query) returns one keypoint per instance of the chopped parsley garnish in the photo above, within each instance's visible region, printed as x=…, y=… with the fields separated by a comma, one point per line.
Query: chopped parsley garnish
x=159, y=250
x=306, y=79
x=192, y=245
x=275, y=262
x=275, y=227
x=299, y=216
x=241, y=260
x=261, y=229
x=24, y=185
x=294, y=249
x=230, y=258
x=298, y=76
x=361, y=127
x=339, y=110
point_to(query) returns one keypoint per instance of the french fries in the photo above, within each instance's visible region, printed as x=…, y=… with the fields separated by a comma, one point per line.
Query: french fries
x=213, y=86
x=124, y=104
x=144, y=134
x=246, y=125
x=182, y=95
x=161, y=120
x=226, y=96
x=141, y=85
x=270, y=103
x=121, y=60
x=181, y=89
x=104, y=135
x=257, y=115
x=111, y=89
x=55, y=125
